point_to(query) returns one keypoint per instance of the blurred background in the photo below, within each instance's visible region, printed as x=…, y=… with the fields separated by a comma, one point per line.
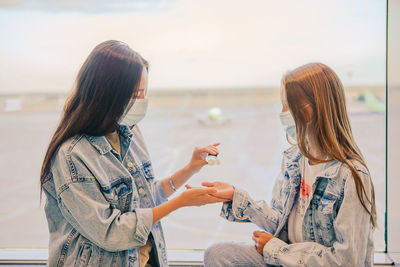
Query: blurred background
x=215, y=74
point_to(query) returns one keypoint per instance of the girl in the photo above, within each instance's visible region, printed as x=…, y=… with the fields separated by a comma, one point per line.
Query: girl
x=103, y=205
x=322, y=211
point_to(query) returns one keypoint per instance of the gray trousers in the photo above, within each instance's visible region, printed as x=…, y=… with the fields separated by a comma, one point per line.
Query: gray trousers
x=229, y=254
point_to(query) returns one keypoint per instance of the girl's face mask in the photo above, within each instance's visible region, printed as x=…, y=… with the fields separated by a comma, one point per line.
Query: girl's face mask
x=288, y=124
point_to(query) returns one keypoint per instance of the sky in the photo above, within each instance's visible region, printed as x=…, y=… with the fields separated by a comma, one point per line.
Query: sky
x=192, y=44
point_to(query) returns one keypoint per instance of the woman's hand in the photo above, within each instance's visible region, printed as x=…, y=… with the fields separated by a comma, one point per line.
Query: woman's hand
x=199, y=157
x=223, y=190
x=180, y=177
x=260, y=239
x=190, y=197
x=198, y=197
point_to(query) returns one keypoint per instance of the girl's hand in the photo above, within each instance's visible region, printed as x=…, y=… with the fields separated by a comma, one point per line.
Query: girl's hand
x=260, y=239
x=198, y=197
x=199, y=157
x=223, y=190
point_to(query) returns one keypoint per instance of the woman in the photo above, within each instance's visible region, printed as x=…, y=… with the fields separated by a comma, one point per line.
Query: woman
x=322, y=211
x=103, y=205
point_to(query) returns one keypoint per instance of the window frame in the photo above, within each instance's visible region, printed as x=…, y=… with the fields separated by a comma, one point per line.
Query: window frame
x=390, y=256
x=392, y=214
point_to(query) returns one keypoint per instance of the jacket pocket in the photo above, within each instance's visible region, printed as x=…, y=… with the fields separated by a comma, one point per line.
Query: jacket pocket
x=324, y=215
x=327, y=206
x=148, y=171
x=84, y=254
x=118, y=193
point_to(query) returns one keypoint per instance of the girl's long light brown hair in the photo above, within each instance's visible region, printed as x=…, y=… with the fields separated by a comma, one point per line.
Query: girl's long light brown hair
x=316, y=85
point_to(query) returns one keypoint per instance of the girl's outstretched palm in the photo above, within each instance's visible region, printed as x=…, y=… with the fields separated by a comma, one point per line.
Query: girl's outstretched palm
x=224, y=190
x=199, y=197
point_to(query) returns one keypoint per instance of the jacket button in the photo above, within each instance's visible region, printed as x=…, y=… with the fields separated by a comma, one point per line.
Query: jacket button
x=141, y=191
x=130, y=164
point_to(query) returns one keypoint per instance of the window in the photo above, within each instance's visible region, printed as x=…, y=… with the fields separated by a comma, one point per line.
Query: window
x=393, y=126
x=215, y=75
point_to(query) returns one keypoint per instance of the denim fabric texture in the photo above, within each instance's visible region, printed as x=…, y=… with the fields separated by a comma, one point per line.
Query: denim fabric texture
x=99, y=204
x=337, y=230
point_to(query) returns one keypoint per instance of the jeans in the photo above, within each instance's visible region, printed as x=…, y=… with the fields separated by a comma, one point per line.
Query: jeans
x=229, y=254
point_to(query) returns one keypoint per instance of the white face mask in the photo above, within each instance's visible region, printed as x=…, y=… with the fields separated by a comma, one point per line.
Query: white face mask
x=288, y=124
x=135, y=112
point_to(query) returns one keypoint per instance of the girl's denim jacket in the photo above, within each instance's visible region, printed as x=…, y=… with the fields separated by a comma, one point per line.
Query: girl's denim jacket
x=99, y=205
x=337, y=230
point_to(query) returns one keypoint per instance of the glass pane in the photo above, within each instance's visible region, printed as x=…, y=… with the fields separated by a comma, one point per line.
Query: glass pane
x=215, y=74
x=393, y=125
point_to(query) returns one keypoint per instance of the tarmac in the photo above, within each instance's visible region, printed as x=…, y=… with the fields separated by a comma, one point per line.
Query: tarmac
x=252, y=142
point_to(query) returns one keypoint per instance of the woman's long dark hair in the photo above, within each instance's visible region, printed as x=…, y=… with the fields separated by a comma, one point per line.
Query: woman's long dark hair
x=108, y=78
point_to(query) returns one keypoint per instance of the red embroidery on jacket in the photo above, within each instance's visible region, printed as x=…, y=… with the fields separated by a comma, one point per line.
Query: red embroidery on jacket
x=305, y=189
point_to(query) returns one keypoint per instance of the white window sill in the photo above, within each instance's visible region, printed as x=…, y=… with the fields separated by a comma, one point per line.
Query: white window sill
x=176, y=257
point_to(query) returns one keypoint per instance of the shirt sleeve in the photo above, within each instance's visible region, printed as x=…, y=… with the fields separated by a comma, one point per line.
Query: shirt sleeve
x=84, y=206
x=352, y=228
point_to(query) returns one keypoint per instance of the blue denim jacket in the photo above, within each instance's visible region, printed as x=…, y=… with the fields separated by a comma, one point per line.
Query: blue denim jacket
x=99, y=206
x=337, y=231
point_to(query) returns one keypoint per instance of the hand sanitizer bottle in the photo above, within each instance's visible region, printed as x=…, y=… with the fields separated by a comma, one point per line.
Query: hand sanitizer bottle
x=212, y=159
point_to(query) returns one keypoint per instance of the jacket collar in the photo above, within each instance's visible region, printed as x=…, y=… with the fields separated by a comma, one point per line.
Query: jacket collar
x=101, y=143
x=125, y=131
x=293, y=155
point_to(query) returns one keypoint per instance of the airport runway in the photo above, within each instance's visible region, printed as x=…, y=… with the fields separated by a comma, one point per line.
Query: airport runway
x=252, y=141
